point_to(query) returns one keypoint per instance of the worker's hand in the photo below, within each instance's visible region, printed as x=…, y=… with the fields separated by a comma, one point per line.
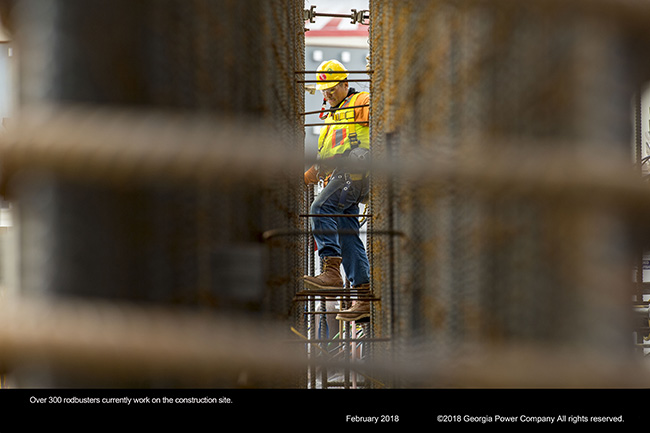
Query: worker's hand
x=311, y=176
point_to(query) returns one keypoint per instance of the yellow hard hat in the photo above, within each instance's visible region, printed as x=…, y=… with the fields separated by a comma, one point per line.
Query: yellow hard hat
x=336, y=71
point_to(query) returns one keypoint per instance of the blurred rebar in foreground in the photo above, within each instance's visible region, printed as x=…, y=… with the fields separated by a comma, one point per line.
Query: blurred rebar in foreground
x=122, y=162
x=530, y=238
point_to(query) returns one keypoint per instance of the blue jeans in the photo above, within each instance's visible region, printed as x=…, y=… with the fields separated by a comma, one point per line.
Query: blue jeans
x=348, y=246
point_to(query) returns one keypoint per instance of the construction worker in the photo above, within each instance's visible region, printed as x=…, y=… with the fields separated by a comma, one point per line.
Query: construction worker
x=342, y=141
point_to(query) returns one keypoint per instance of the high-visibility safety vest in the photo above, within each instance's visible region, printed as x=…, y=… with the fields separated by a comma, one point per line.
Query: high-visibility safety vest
x=336, y=139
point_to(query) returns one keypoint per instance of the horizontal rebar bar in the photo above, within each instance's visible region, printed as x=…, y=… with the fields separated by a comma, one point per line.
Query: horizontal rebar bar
x=344, y=340
x=319, y=313
x=354, y=80
x=328, y=110
x=335, y=123
x=334, y=215
x=114, y=145
x=339, y=289
x=135, y=341
x=128, y=340
x=119, y=145
x=334, y=296
x=293, y=232
x=370, y=71
x=331, y=15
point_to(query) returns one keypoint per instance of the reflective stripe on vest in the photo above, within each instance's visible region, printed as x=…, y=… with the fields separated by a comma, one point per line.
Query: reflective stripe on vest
x=336, y=140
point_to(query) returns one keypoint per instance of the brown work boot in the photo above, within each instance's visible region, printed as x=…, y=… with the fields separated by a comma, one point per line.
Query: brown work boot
x=359, y=310
x=330, y=277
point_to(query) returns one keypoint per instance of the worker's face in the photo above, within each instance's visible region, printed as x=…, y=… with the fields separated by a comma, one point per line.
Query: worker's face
x=334, y=95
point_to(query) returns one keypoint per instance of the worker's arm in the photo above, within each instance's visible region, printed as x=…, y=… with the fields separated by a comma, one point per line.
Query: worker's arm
x=311, y=175
x=362, y=114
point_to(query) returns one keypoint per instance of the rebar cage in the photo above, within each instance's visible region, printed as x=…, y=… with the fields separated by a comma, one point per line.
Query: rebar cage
x=504, y=129
x=154, y=145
